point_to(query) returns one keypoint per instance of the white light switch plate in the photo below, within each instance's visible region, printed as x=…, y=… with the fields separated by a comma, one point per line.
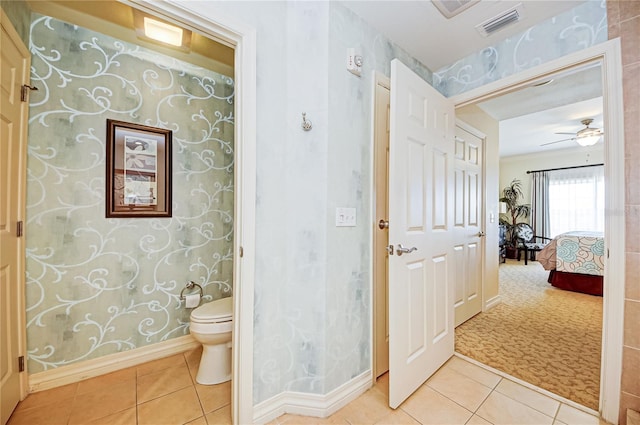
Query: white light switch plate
x=345, y=217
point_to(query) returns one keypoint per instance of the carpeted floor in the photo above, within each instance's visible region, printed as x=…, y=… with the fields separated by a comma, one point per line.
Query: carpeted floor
x=543, y=335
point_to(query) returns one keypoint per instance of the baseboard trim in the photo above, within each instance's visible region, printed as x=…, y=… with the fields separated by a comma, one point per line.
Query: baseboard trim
x=110, y=363
x=492, y=302
x=316, y=405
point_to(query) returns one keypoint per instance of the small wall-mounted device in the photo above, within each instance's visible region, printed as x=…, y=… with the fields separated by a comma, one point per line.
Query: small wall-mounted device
x=354, y=62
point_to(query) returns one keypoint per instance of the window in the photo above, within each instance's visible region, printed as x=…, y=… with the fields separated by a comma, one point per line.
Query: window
x=576, y=200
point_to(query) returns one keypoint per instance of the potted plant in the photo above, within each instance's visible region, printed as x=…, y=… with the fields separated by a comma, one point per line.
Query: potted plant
x=511, y=196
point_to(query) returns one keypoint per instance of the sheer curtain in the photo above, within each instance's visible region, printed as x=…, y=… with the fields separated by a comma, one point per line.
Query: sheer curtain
x=540, y=204
x=576, y=200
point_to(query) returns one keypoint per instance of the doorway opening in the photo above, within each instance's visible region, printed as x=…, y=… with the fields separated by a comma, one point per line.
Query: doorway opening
x=608, y=55
x=526, y=329
x=241, y=44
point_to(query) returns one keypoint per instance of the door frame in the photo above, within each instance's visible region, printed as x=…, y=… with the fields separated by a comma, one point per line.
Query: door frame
x=22, y=191
x=381, y=80
x=242, y=38
x=608, y=54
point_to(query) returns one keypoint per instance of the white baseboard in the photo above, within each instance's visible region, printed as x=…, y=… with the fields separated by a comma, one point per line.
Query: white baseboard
x=492, y=302
x=110, y=363
x=316, y=405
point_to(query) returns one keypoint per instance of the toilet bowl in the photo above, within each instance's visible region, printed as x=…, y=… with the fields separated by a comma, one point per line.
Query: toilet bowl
x=211, y=325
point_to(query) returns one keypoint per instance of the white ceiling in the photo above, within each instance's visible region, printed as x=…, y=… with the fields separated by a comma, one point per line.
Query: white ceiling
x=529, y=117
x=533, y=115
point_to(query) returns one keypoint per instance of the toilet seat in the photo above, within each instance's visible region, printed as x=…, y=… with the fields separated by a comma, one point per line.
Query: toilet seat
x=217, y=311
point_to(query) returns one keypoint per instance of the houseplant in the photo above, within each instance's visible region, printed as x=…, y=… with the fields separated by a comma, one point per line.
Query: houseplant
x=511, y=196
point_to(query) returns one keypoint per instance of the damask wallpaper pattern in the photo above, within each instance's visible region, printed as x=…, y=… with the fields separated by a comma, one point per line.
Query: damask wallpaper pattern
x=97, y=286
x=583, y=26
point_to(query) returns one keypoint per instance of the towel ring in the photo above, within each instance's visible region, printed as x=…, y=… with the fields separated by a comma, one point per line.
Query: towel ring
x=190, y=285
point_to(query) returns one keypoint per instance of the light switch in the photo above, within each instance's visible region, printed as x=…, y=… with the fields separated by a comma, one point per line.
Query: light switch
x=345, y=217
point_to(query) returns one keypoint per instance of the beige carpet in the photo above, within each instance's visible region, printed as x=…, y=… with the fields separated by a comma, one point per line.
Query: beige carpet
x=543, y=335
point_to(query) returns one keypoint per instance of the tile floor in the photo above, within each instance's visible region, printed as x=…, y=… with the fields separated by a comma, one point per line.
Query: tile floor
x=164, y=392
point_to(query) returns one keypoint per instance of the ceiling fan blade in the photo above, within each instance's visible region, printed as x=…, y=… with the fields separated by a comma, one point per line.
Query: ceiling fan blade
x=558, y=141
x=573, y=134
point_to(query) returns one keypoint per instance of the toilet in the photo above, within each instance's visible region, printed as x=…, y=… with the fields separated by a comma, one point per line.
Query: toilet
x=211, y=325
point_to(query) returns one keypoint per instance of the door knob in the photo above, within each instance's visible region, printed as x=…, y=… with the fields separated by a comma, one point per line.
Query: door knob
x=383, y=224
x=402, y=250
x=480, y=234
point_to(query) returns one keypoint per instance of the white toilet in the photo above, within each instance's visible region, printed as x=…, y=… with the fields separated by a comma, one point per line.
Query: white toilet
x=211, y=325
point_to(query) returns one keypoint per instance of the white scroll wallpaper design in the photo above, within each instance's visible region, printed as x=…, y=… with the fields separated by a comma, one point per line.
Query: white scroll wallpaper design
x=97, y=286
x=581, y=27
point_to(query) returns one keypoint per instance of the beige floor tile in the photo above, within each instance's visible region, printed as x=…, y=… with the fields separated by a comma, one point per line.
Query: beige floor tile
x=478, y=374
x=55, y=413
x=398, y=417
x=221, y=416
x=176, y=408
x=460, y=388
x=477, y=420
x=428, y=407
x=163, y=382
x=369, y=408
x=49, y=396
x=99, y=382
x=200, y=421
x=193, y=361
x=572, y=416
x=501, y=410
x=100, y=403
x=125, y=417
x=160, y=364
x=213, y=397
x=382, y=385
x=527, y=396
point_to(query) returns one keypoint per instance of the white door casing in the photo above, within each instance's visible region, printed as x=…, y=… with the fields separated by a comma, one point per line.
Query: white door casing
x=421, y=313
x=468, y=229
x=14, y=63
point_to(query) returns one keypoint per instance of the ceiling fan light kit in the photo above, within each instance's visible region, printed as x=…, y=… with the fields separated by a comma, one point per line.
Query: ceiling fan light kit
x=588, y=136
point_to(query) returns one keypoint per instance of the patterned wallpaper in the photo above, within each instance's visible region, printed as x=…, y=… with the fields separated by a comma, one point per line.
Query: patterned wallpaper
x=19, y=14
x=581, y=27
x=97, y=286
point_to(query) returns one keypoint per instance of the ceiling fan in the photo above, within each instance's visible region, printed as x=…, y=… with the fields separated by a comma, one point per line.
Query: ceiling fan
x=586, y=137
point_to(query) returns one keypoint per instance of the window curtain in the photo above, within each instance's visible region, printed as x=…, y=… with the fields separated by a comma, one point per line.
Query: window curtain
x=540, y=204
x=576, y=200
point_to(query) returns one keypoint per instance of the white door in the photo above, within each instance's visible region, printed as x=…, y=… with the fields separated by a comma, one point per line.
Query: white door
x=467, y=224
x=421, y=312
x=14, y=66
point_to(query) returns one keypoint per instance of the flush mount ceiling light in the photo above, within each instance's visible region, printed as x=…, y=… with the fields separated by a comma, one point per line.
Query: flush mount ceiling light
x=450, y=8
x=158, y=31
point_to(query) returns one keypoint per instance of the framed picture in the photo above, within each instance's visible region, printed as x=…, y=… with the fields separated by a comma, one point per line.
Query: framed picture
x=138, y=179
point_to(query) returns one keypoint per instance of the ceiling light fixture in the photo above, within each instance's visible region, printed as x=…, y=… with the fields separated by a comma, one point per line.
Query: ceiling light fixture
x=588, y=136
x=158, y=31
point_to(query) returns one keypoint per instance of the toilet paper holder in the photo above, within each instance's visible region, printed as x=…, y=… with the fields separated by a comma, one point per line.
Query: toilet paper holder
x=190, y=285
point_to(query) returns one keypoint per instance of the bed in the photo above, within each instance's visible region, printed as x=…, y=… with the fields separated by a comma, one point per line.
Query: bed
x=575, y=261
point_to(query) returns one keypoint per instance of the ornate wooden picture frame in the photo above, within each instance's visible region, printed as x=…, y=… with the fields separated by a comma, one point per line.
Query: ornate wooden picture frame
x=138, y=178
